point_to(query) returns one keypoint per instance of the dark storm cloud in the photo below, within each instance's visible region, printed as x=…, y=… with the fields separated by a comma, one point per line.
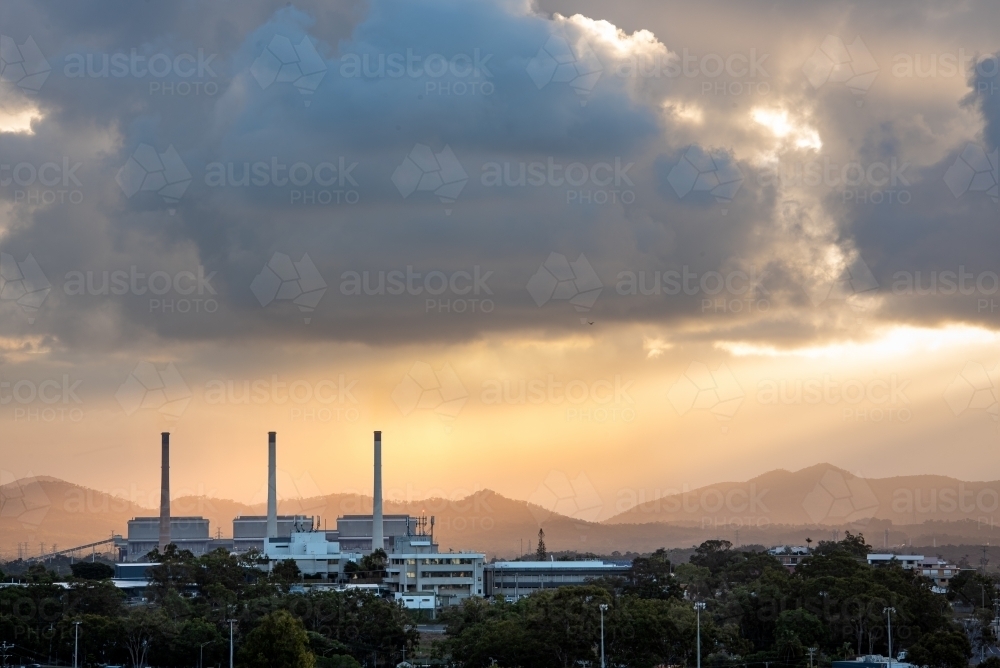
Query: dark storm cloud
x=934, y=256
x=225, y=225
x=256, y=164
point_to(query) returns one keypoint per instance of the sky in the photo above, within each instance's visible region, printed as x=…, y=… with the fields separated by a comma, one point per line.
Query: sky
x=628, y=247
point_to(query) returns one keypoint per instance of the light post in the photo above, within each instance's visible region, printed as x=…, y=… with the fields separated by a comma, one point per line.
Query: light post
x=603, y=607
x=698, y=607
x=76, y=641
x=201, y=654
x=888, y=615
x=231, y=623
x=4, y=648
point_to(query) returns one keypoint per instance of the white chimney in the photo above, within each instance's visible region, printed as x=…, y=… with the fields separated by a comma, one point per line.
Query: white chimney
x=272, y=485
x=378, y=538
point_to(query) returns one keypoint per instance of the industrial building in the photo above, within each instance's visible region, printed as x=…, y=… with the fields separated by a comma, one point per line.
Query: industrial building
x=187, y=533
x=354, y=532
x=417, y=574
x=249, y=531
x=417, y=571
x=515, y=579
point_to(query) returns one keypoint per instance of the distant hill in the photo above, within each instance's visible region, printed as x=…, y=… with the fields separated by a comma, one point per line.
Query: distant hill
x=824, y=495
x=779, y=507
x=51, y=511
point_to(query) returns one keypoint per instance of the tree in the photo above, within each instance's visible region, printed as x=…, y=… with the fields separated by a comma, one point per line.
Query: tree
x=541, y=553
x=279, y=641
x=650, y=577
x=138, y=631
x=286, y=571
x=945, y=648
x=92, y=570
x=856, y=545
x=802, y=625
x=372, y=565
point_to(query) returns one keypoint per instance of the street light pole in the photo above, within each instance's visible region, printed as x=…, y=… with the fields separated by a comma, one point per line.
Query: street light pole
x=231, y=622
x=699, y=606
x=76, y=642
x=3, y=651
x=201, y=654
x=888, y=615
x=603, y=607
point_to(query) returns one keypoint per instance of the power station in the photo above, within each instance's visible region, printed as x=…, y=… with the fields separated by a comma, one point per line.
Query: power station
x=417, y=573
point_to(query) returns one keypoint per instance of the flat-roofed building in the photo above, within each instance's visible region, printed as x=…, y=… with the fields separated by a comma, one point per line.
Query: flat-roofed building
x=312, y=552
x=354, y=532
x=938, y=570
x=907, y=561
x=514, y=579
x=417, y=570
x=187, y=533
x=249, y=531
x=790, y=556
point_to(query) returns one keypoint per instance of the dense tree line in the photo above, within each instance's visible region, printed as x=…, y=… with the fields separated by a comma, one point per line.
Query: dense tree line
x=186, y=615
x=757, y=613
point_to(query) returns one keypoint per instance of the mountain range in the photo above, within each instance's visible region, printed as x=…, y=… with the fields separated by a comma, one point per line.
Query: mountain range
x=778, y=507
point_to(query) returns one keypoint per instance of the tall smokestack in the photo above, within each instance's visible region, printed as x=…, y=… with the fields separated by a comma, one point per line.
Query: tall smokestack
x=378, y=540
x=164, y=490
x=272, y=485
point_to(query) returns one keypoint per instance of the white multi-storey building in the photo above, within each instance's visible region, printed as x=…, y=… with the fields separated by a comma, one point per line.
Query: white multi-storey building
x=416, y=570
